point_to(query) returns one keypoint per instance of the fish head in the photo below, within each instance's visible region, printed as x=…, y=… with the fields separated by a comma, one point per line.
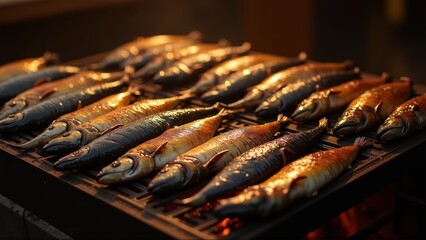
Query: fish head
x=13, y=106
x=269, y=108
x=170, y=75
x=392, y=128
x=67, y=142
x=72, y=161
x=170, y=179
x=309, y=108
x=354, y=121
x=12, y=118
x=126, y=168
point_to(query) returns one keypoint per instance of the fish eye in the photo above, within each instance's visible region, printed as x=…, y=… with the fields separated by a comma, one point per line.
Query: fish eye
x=12, y=104
x=12, y=115
x=115, y=164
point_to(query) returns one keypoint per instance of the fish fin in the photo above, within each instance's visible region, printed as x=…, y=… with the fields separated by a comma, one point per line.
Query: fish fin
x=292, y=183
x=41, y=81
x=215, y=158
x=47, y=93
x=159, y=149
x=111, y=129
x=283, y=154
x=377, y=107
x=332, y=92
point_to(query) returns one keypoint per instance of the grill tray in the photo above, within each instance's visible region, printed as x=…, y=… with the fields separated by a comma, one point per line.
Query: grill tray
x=78, y=205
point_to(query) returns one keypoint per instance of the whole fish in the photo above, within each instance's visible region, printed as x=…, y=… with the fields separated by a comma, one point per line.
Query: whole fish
x=139, y=46
x=372, y=107
x=13, y=86
x=28, y=65
x=332, y=99
x=238, y=82
x=289, y=96
x=115, y=143
x=155, y=153
x=407, y=118
x=218, y=74
x=211, y=156
x=86, y=132
x=257, y=164
x=299, y=179
x=273, y=83
x=142, y=59
x=49, y=90
x=191, y=66
x=163, y=61
x=70, y=120
x=42, y=114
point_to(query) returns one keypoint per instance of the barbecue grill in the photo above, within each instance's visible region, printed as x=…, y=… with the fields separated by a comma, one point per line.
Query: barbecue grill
x=82, y=208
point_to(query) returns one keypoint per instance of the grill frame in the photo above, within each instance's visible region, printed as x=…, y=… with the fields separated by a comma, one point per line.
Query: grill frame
x=82, y=208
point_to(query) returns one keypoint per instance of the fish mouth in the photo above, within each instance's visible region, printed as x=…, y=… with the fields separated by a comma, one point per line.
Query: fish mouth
x=69, y=141
x=71, y=161
x=12, y=107
x=345, y=128
x=12, y=118
x=350, y=123
x=305, y=112
x=210, y=96
x=268, y=110
x=170, y=179
x=230, y=208
x=118, y=171
x=393, y=128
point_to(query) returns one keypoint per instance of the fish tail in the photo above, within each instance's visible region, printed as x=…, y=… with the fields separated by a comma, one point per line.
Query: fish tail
x=323, y=122
x=283, y=119
x=363, y=142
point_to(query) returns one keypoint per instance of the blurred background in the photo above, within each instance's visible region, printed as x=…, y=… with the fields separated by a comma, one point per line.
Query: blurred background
x=383, y=35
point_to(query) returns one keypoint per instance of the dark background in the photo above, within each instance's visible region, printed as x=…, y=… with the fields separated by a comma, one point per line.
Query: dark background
x=383, y=35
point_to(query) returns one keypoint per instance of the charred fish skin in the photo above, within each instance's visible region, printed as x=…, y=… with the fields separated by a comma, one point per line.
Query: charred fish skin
x=191, y=66
x=299, y=179
x=210, y=157
x=140, y=45
x=49, y=90
x=115, y=143
x=372, y=107
x=98, y=126
x=406, y=119
x=45, y=112
x=292, y=94
x=276, y=81
x=332, y=99
x=163, y=61
x=13, y=86
x=238, y=82
x=28, y=65
x=218, y=74
x=157, y=152
x=257, y=164
x=70, y=120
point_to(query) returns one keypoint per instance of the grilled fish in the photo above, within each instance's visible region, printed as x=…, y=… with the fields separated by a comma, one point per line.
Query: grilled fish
x=86, y=132
x=257, y=164
x=372, y=107
x=155, y=153
x=44, y=113
x=273, y=83
x=13, y=86
x=238, y=82
x=407, y=118
x=163, y=61
x=218, y=74
x=71, y=120
x=211, y=156
x=329, y=100
x=28, y=65
x=191, y=66
x=49, y=90
x=117, y=142
x=292, y=94
x=139, y=46
x=299, y=179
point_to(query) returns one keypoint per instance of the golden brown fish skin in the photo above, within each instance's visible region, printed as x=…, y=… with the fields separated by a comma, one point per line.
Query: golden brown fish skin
x=94, y=128
x=299, y=179
x=69, y=121
x=210, y=157
x=278, y=80
x=163, y=61
x=154, y=154
x=217, y=75
x=27, y=65
x=406, y=119
x=332, y=99
x=138, y=46
x=372, y=107
x=50, y=90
